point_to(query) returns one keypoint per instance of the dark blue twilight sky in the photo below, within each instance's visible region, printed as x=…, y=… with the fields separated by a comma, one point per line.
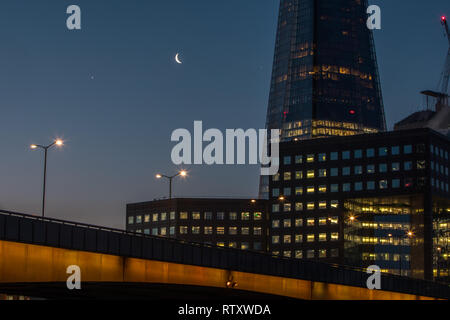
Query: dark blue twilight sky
x=117, y=125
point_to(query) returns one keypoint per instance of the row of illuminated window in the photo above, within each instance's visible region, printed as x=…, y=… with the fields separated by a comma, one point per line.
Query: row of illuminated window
x=309, y=222
x=241, y=245
x=385, y=226
x=439, y=152
x=256, y=231
x=370, y=256
x=355, y=170
x=162, y=231
x=308, y=254
x=299, y=206
x=385, y=240
x=344, y=187
x=300, y=238
x=350, y=154
x=439, y=168
x=184, y=215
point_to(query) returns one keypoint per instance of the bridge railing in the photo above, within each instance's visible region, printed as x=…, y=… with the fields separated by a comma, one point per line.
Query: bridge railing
x=80, y=236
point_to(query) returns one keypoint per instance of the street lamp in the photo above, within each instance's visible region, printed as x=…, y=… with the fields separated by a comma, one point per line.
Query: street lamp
x=182, y=173
x=58, y=143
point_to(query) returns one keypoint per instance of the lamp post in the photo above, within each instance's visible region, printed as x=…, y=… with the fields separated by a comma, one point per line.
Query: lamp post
x=182, y=173
x=57, y=142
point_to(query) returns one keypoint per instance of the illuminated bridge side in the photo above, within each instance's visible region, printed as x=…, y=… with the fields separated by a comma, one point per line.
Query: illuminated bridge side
x=35, y=252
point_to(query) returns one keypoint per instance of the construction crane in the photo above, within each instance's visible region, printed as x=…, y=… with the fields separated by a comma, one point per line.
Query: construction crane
x=446, y=73
x=441, y=95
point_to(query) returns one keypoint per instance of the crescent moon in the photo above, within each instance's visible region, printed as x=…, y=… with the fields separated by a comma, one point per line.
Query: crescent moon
x=177, y=59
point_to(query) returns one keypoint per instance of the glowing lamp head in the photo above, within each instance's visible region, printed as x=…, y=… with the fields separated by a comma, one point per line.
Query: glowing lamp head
x=410, y=233
x=33, y=146
x=59, y=142
x=183, y=173
x=352, y=218
x=158, y=176
x=253, y=201
x=281, y=198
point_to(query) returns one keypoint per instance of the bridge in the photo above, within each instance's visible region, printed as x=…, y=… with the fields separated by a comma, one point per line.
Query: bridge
x=35, y=253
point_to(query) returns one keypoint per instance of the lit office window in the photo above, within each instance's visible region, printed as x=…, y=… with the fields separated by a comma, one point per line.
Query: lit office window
x=334, y=236
x=322, y=157
x=257, y=216
x=147, y=218
x=322, y=237
x=140, y=230
x=138, y=219
x=287, y=176
x=183, y=229
x=322, y=173
x=245, y=216
x=220, y=230
x=163, y=216
x=232, y=245
x=322, y=253
x=275, y=223
x=286, y=239
x=275, y=239
x=275, y=207
x=322, y=205
x=163, y=231
x=195, y=230
x=322, y=189
x=334, y=204
x=298, y=222
x=310, y=158
x=220, y=215
x=233, y=215
x=172, y=231
x=287, y=223
x=298, y=159
x=370, y=168
x=245, y=231
x=322, y=221
x=221, y=244
x=310, y=222
x=244, y=246
x=172, y=215
x=310, y=238
x=130, y=220
x=276, y=177
x=257, y=231
x=298, y=206
x=310, y=174
x=298, y=191
x=298, y=238
x=232, y=231
x=310, y=206
x=310, y=190
x=287, y=207
x=195, y=215
x=155, y=231
x=334, y=220
x=183, y=215
x=287, y=254
x=208, y=230
x=298, y=254
x=298, y=175
x=310, y=254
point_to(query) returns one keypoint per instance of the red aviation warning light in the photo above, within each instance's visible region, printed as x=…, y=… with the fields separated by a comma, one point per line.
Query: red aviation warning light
x=443, y=18
x=352, y=112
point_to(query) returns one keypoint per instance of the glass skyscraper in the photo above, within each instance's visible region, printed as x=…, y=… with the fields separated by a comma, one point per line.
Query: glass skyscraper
x=325, y=76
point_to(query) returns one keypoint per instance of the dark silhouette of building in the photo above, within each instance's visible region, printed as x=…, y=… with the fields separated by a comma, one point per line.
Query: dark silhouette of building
x=373, y=199
x=235, y=223
x=325, y=78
